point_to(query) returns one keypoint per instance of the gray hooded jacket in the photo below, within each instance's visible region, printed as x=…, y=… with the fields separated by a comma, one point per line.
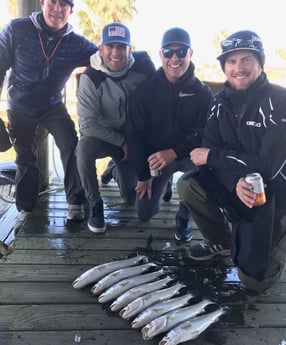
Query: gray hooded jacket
x=103, y=96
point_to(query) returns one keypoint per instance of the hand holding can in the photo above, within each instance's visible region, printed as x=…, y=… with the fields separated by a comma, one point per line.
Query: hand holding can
x=256, y=181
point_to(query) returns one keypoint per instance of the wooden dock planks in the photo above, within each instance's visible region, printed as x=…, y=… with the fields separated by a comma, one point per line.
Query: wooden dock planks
x=38, y=304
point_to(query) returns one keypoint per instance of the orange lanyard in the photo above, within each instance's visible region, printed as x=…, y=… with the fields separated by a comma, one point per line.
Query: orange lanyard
x=48, y=57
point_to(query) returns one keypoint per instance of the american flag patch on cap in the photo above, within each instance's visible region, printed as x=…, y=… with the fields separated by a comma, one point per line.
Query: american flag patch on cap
x=116, y=31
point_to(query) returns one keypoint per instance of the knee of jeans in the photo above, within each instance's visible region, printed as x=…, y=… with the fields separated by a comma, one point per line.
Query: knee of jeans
x=144, y=214
x=144, y=217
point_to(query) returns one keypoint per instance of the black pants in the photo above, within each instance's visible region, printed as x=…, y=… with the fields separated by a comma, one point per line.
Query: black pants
x=23, y=130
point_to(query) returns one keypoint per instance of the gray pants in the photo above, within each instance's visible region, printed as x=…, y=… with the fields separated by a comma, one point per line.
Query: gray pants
x=147, y=208
x=215, y=228
x=88, y=150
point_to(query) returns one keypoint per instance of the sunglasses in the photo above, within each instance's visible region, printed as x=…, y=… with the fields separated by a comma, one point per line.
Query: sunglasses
x=180, y=52
x=254, y=43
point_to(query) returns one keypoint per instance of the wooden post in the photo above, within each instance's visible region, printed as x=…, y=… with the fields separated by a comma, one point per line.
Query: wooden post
x=25, y=8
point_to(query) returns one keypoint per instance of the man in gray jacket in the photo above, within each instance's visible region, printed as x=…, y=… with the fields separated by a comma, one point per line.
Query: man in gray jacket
x=103, y=100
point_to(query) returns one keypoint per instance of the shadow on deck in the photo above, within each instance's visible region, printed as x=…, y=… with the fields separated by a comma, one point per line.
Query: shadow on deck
x=39, y=306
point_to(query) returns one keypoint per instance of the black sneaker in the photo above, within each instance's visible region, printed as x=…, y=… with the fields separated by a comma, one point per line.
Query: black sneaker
x=107, y=176
x=168, y=195
x=183, y=230
x=96, y=221
x=206, y=251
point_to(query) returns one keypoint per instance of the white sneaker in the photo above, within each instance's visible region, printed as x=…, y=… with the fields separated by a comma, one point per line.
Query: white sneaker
x=21, y=218
x=75, y=212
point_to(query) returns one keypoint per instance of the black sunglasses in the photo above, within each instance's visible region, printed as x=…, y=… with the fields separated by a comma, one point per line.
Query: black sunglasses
x=254, y=43
x=180, y=52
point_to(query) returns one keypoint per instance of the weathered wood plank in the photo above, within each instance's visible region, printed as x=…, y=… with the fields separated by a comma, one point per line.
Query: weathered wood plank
x=102, y=255
x=57, y=317
x=123, y=337
x=99, y=242
x=162, y=231
x=42, y=272
x=56, y=291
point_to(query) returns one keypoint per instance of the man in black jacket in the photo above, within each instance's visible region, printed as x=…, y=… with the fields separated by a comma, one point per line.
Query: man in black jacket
x=245, y=134
x=166, y=120
x=41, y=52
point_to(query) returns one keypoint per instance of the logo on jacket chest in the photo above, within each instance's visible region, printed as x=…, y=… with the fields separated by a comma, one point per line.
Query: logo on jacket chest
x=182, y=94
x=253, y=124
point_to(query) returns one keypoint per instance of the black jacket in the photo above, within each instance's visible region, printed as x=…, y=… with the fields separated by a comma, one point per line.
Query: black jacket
x=246, y=132
x=163, y=116
x=254, y=143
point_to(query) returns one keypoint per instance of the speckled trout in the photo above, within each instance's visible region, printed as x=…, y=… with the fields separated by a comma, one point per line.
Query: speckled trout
x=95, y=273
x=191, y=329
x=171, y=319
x=141, y=303
x=114, y=277
x=159, y=309
x=138, y=291
x=126, y=284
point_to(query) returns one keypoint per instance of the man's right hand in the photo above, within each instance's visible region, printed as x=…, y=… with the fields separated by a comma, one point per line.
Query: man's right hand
x=244, y=192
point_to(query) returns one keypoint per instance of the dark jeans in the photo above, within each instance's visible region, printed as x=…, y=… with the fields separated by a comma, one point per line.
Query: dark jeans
x=88, y=150
x=23, y=130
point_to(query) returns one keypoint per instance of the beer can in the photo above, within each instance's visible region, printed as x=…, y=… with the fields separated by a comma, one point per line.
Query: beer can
x=256, y=181
x=155, y=172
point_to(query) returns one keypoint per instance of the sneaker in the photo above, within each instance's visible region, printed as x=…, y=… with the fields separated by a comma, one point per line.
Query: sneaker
x=96, y=221
x=206, y=251
x=168, y=195
x=75, y=212
x=183, y=230
x=22, y=216
x=107, y=176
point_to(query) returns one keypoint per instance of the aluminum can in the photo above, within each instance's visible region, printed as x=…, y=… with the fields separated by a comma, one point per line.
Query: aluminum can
x=256, y=181
x=155, y=172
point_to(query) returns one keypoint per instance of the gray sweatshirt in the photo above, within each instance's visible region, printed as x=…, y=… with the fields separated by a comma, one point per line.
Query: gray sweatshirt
x=103, y=96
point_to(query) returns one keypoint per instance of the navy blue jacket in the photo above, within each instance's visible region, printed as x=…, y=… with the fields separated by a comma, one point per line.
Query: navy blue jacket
x=35, y=83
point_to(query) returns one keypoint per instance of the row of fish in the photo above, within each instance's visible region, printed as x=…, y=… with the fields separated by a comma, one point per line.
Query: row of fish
x=147, y=297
